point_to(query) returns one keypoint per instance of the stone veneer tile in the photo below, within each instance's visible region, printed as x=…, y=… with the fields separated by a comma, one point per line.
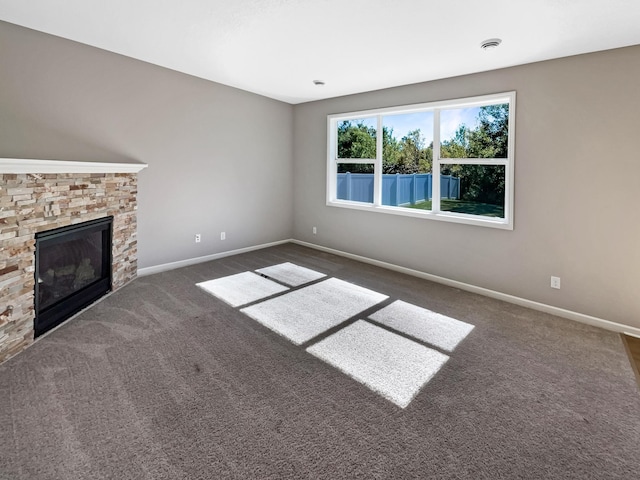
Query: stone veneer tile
x=31, y=204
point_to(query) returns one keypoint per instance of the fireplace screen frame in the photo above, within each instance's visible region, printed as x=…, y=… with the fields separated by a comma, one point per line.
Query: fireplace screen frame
x=56, y=313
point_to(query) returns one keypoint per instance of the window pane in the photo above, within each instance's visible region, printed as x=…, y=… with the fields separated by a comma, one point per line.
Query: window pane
x=355, y=182
x=407, y=142
x=473, y=189
x=407, y=160
x=357, y=138
x=476, y=132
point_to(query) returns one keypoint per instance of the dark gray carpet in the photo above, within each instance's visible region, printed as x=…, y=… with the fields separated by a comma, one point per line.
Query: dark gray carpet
x=164, y=381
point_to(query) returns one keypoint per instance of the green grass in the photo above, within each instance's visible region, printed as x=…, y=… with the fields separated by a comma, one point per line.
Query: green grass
x=463, y=206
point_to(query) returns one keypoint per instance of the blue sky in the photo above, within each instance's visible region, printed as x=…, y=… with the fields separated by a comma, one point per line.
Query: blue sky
x=450, y=120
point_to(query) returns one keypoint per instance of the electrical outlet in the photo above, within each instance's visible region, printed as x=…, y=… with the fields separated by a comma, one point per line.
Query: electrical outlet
x=555, y=282
x=315, y=230
x=223, y=235
x=198, y=238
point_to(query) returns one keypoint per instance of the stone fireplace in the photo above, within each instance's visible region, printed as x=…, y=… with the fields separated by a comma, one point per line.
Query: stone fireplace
x=38, y=196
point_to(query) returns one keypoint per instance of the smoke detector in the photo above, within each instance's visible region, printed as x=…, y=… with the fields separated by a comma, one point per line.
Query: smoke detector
x=490, y=44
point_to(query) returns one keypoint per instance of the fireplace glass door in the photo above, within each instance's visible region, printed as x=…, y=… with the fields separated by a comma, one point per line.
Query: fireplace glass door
x=73, y=269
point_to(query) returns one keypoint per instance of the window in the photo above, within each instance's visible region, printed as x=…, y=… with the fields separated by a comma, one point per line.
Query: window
x=450, y=160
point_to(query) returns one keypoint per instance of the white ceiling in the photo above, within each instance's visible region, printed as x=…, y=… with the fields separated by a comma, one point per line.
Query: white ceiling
x=278, y=47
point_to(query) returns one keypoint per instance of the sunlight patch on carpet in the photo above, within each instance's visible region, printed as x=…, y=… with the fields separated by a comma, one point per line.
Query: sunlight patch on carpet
x=291, y=274
x=381, y=357
x=430, y=327
x=303, y=314
x=390, y=365
x=241, y=288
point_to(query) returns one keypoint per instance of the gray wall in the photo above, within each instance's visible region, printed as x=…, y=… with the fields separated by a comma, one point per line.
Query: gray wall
x=576, y=189
x=220, y=159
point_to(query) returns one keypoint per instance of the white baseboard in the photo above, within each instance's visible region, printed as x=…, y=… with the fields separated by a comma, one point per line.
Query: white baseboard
x=207, y=258
x=542, y=307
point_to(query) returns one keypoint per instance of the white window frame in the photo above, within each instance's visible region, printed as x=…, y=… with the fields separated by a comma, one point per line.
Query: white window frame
x=435, y=213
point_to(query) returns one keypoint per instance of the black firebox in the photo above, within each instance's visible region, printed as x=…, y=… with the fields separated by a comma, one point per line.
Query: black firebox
x=73, y=269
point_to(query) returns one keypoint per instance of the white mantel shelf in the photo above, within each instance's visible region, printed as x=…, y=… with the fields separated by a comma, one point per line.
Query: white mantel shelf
x=23, y=165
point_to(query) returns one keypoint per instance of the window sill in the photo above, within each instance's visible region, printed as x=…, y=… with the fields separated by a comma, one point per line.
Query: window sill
x=491, y=222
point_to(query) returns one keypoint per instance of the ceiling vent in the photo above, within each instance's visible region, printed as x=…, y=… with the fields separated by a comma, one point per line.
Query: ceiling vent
x=490, y=44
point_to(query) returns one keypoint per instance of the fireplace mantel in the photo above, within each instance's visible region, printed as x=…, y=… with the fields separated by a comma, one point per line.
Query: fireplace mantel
x=23, y=165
